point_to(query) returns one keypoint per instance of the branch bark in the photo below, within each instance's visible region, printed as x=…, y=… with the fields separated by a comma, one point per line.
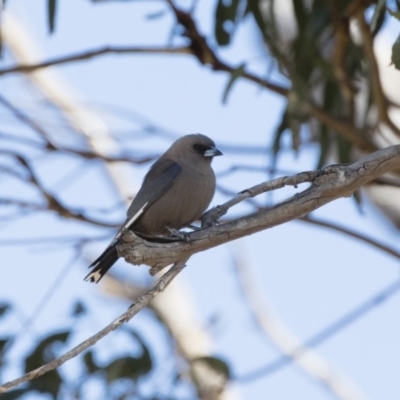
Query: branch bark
x=328, y=184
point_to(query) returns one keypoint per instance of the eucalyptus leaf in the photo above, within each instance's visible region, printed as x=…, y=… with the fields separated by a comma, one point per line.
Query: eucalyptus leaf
x=236, y=73
x=44, y=352
x=395, y=14
x=396, y=53
x=380, y=10
x=216, y=364
x=14, y=394
x=51, y=14
x=78, y=309
x=3, y=343
x=127, y=367
x=225, y=19
x=91, y=365
x=4, y=307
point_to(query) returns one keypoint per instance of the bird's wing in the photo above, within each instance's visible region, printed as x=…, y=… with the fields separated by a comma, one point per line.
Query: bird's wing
x=157, y=181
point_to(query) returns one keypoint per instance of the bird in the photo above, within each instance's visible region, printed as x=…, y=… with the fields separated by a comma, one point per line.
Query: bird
x=175, y=192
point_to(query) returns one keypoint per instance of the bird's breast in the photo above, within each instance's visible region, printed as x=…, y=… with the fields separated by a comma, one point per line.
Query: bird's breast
x=183, y=203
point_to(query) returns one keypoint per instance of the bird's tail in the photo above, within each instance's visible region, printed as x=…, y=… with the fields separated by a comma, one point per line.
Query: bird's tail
x=102, y=264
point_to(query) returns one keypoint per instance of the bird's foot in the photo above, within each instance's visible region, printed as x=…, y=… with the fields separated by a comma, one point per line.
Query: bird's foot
x=181, y=235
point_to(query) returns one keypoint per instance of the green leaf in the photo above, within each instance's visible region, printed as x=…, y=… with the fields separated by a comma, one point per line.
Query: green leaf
x=236, y=73
x=145, y=356
x=14, y=394
x=358, y=199
x=295, y=127
x=51, y=13
x=396, y=53
x=90, y=364
x=378, y=13
x=395, y=14
x=3, y=343
x=127, y=367
x=4, y=307
x=225, y=19
x=43, y=353
x=216, y=364
x=319, y=17
x=282, y=127
x=253, y=7
x=344, y=148
x=301, y=14
x=324, y=146
x=130, y=367
x=78, y=309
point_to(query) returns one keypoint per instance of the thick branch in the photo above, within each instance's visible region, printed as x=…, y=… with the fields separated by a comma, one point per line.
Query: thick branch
x=328, y=184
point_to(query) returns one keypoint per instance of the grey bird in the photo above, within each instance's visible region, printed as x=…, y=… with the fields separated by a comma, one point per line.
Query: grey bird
x=175, y=192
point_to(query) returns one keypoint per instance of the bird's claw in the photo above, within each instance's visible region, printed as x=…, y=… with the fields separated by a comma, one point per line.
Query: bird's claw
x=181, y=235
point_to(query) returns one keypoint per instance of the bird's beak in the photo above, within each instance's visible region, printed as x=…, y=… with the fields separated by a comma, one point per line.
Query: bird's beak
x=213, y=152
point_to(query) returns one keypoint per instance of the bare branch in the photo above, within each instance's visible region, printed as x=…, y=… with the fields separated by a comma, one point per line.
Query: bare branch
x=374, y=243
x=86, y=55
x=200, y=49
x=373, y=70
x=204, y=53
x=24, y=118
x=328, y=184
x=285, y=340
x=142, y=302
x=52, y=203
x=347, y=130
x=325, y=334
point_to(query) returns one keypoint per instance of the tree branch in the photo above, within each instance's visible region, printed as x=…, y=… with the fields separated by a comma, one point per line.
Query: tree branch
x=314, y=365
x=373, y=70
x=142, y=302
x=86, y=55
x=326, y=333
x=328, y=184
x=351, y=233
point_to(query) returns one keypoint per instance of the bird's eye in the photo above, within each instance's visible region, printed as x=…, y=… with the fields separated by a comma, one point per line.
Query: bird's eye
x=199, y=148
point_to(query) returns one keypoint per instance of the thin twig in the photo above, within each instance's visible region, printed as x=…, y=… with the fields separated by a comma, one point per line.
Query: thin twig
x=142, y=302
x=325, y=334
x=214, y=214
x=24, y=118
x=86, y=55
x=285, y=340
x=52, y=203
x=330, y=225
x=45, y=300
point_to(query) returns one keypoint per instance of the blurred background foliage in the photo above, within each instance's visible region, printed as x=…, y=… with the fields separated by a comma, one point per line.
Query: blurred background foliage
x=321, y=61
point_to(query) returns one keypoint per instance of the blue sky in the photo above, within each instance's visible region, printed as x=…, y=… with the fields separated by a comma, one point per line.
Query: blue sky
x=310, y=276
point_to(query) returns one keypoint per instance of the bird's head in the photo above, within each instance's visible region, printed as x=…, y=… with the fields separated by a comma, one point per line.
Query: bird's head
x=196, y=147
